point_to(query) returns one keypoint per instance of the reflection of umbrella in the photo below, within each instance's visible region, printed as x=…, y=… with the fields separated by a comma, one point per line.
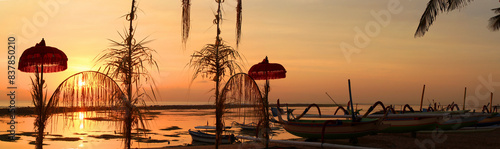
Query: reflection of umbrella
x=265, y=71
x=40, y=59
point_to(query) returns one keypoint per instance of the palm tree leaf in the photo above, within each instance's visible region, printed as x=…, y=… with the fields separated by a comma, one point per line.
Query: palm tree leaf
x=457, y=4
x=494, y=23
x=496, y=10
x=434, y=7
x=428, y=17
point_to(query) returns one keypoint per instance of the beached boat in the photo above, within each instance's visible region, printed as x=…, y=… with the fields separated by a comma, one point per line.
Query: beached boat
x=250, y=126
x=211, y=127
x=404, y=122
x=400, y=122
x=453, y=120
x=330, y=129
x=493, y=119
x=210, y=138
x=457, y=121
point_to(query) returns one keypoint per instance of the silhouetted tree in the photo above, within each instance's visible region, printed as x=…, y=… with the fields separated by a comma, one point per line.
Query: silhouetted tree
x=216, y=61
x=434, y=7
x=127, y=63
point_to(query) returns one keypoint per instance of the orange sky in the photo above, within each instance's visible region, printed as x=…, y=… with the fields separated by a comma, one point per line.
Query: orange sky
x=305, y=36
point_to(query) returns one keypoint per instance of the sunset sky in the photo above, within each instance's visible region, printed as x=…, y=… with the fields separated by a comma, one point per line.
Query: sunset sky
x=306, y=36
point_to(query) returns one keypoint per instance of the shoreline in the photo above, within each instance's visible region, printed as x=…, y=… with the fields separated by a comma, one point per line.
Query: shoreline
x=445, y=140
x=25, y=111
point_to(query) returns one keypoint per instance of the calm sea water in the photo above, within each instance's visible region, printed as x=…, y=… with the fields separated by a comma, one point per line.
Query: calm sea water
x=84, y=129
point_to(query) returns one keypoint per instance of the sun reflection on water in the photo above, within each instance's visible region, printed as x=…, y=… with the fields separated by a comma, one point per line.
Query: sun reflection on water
x=81, y=115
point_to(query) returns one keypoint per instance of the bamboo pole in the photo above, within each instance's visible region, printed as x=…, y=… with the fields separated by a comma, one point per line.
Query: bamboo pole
x=350, y=99
x=465, y=95
x=491, y=102
x=422, y=98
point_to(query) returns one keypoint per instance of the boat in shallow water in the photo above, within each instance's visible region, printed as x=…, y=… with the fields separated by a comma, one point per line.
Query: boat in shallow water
x=210, y=138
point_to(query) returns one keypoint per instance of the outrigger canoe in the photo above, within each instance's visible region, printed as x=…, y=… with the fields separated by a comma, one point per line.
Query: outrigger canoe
x=445, y=120
x=210, y=138
x=399, y=123
x=493, y=119
x=331, y=129
x=405, y=122
x=457, y=121
x=250, y=126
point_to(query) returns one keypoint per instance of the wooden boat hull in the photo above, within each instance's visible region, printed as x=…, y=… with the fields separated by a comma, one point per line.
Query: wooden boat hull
x=342, y=129
x=459, y=121
x=250, y=127
x=210, y=138
x=493, y=120
x=410, y=124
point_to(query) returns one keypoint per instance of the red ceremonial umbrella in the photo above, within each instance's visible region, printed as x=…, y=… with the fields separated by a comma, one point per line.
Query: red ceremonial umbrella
x=266, y=71
x=42, y=59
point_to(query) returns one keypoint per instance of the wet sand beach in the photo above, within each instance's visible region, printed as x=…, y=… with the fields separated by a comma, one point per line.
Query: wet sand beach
x=444, y=140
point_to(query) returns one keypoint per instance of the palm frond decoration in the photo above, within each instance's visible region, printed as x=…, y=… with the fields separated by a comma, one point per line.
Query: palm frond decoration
x=42, y=109
x=186, y=20
x=238, y=23
x=216, y=61
x=91, y=90
x=242, y=95
x=494, y=22
x=128, y=61
x=434, y=7
x=205, y=61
